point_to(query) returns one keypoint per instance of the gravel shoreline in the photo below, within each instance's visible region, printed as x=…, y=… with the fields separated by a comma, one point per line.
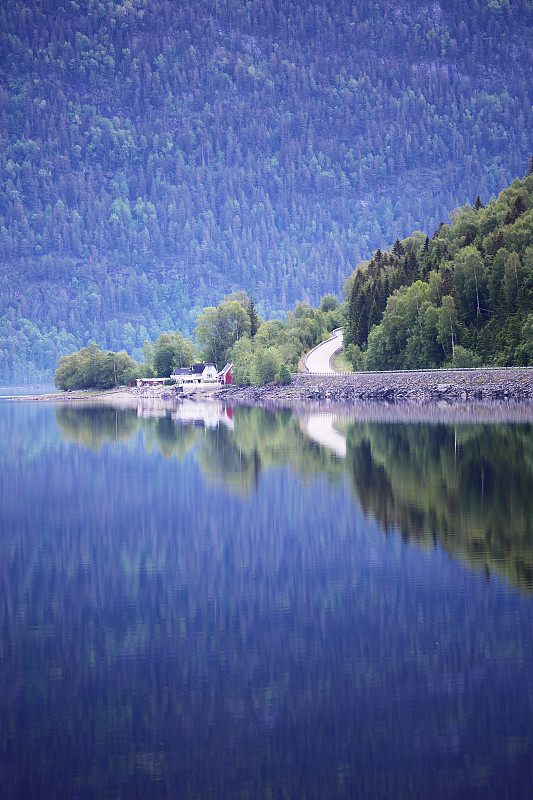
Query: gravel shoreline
x=453, y=396
x=454, y=387
x=124, y=394
x=450, y=386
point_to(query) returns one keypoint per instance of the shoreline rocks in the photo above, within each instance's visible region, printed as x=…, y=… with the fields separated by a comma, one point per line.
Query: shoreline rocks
x=442, y=387
x=420, y=387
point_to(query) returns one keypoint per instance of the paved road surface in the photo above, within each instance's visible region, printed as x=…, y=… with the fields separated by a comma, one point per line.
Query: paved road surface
x=319, y=358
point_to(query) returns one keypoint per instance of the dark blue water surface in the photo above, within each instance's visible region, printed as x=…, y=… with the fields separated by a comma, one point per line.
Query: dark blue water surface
x=227, y=609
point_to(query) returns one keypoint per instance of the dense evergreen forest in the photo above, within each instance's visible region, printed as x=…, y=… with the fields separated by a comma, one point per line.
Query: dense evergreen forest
x=155, y=156
x=463, y=298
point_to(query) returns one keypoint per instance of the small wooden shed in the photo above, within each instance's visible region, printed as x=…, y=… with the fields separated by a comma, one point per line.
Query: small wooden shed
x=225, y=375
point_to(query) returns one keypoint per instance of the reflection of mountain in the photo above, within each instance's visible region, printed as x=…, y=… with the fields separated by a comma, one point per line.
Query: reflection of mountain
x=174, y=631
x=23, y=437
x=467, y=488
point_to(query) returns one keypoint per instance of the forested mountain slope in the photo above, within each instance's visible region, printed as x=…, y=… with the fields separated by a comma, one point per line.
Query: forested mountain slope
x=463, y=298
x=155, y=155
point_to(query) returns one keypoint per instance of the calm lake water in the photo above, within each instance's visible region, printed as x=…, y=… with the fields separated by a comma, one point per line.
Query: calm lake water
x=212, y=604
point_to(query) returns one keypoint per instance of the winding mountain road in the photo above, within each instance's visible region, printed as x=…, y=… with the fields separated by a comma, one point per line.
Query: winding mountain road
x=317, y=361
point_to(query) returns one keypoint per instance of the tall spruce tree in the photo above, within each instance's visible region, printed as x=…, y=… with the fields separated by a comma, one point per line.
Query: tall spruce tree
x=254, y=319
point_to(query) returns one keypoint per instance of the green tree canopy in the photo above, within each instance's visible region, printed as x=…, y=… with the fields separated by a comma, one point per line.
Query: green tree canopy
x=171, y=351
x=90, y=368
x=482, y=263
x=218, y=329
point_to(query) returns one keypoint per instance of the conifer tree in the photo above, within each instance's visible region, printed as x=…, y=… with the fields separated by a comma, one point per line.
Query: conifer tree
x=254, y=319
x=397, y=248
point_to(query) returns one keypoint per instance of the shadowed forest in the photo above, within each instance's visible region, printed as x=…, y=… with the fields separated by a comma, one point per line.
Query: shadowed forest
x=155, y=156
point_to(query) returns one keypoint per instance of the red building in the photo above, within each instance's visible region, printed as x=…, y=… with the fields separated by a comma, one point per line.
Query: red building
x=225, y=375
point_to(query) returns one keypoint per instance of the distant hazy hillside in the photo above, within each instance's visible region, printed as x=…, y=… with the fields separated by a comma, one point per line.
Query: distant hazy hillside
x=155, y=155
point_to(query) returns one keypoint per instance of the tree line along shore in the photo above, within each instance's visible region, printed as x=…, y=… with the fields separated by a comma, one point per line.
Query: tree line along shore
x=462, y=299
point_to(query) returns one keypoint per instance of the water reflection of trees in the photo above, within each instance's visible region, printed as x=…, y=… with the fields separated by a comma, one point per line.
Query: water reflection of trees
x=93, y=427
x=235, y=456
x=146, y=613
x=261, y=439
x=158, y=632
x=466, y=487
x=172, y=441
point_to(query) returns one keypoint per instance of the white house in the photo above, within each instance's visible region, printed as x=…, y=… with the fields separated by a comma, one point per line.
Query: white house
x=198, y=373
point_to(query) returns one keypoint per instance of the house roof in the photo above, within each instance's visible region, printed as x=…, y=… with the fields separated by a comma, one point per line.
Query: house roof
x=199, y=368
x=226, y=369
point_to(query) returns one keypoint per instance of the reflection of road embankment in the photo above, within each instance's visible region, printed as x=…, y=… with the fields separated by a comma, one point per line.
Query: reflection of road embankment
x=467, y=414
x=321, y=429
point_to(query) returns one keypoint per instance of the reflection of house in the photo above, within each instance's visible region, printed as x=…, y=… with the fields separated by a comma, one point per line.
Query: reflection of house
x=198, y=373
x=225, y=375
x=152, y=410
x=205, y=415
x=208, y=415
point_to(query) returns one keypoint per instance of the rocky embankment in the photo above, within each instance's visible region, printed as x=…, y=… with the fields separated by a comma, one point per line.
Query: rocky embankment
x=444, y=387
x=448, y=386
